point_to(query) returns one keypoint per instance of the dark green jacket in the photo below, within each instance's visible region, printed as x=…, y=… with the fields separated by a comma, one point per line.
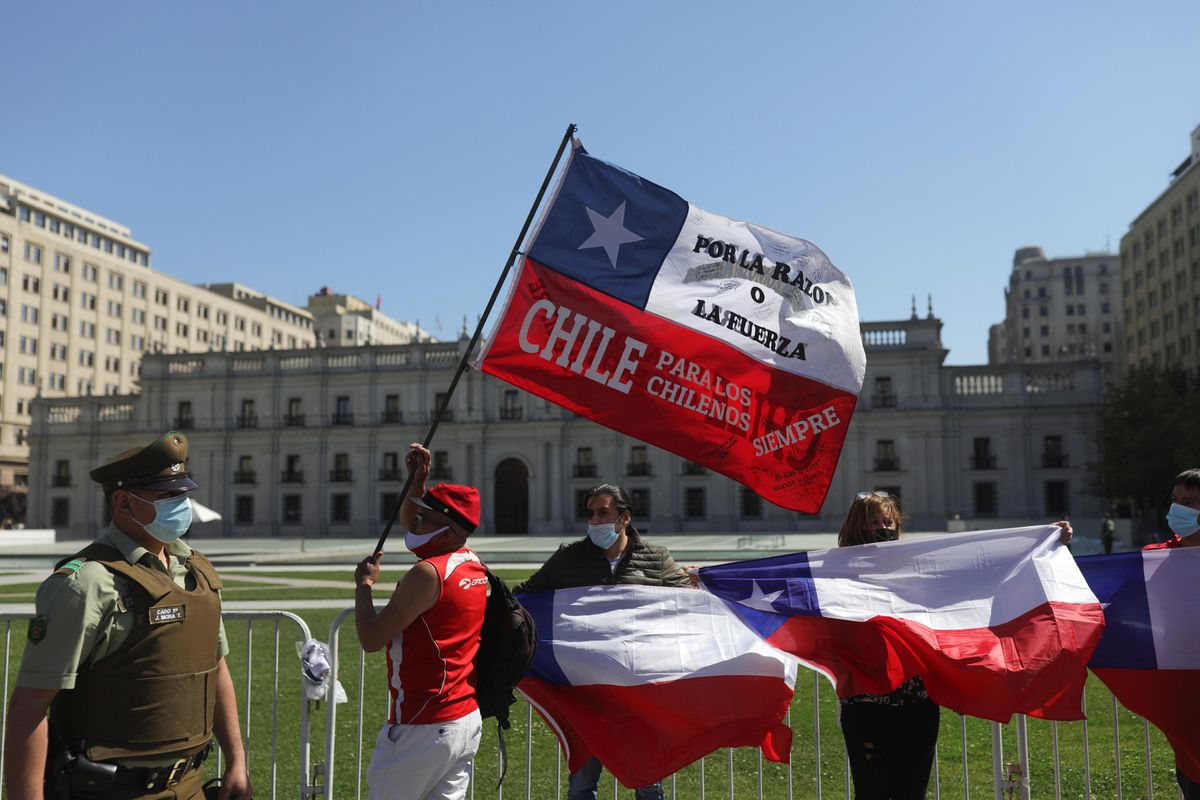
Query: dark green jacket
x=582, y=563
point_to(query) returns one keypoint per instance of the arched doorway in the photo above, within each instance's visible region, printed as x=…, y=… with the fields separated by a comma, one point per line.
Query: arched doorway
x=512, y=497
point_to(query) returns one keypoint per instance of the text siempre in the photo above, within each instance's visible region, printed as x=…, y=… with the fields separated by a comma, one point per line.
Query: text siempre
x=579, y=344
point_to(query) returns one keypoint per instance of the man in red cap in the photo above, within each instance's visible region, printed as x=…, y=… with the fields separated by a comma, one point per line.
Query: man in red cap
x=431, y=628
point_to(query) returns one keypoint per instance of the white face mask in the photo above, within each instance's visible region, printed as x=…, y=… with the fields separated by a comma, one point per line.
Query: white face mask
x=414, y=541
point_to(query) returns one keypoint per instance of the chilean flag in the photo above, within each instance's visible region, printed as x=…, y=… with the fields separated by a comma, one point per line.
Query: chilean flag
x=648, y=679
x=994, y=622
x=724, y=342
x=1150, y=654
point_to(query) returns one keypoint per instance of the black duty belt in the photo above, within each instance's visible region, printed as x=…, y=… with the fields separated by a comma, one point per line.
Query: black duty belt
x=156, y=779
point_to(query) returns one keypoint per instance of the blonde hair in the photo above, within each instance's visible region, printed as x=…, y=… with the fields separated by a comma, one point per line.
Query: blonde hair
x=856, y=529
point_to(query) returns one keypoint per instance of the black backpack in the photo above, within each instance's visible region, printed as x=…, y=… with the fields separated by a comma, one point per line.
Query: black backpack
x=507, y=644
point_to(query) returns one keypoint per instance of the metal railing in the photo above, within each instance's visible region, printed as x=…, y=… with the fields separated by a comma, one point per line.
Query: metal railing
x=250, y=690
x=1115, y=755
x=819, y=768
x=246, y=694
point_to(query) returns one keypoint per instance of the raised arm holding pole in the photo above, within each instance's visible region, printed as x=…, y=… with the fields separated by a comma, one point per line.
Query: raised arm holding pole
x=462, y=364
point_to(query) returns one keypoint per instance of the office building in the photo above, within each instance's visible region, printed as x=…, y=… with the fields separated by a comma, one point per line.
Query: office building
x=1061, y=309
x=80, y=303
x=1160, y=274
x=343, y=320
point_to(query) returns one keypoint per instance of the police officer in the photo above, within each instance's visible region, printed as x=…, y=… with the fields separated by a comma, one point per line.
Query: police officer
x=127, y=653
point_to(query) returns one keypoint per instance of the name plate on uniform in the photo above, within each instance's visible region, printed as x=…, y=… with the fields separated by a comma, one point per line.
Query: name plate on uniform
x=161, y=614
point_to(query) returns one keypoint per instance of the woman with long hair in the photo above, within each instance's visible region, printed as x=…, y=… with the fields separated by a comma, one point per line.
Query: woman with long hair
x=890, y=738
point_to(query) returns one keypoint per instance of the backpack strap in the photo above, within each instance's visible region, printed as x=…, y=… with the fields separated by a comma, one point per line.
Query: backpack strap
x=502, y=770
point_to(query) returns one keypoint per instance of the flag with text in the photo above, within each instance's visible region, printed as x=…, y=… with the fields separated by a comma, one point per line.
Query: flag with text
x=726, y=343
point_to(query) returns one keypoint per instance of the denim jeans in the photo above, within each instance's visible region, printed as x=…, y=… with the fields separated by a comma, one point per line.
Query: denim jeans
x=582, y=785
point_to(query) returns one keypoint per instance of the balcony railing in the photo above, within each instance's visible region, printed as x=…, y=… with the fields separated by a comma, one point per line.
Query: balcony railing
x=391, y=416
x=386, y=474
x=638, y=470
x=248, y=421
x=511, y=413
x=244, y=476
x=60, y=481
x=983, y=462
x=1054, y=460
x=585, y=470
x=185, y=423
x=887, y=465
x=342, y=418
x=293, y=420
x=883, y=401
x=291, y=476
x=340, y=475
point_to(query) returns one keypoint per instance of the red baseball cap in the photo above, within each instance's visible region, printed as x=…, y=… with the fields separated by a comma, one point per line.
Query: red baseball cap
x=459, y=503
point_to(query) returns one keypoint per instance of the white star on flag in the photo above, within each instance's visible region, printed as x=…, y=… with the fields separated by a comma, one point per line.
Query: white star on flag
x=759, y=600
x=609, y=232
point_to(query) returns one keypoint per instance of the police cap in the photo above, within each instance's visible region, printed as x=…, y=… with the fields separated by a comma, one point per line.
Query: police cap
x=160, y=465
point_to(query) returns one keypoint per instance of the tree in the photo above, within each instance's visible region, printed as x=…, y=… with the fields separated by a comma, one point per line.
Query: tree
x=1150, y=433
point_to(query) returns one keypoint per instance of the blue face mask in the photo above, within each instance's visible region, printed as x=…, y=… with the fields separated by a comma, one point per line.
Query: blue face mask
x=172, y=517
x=603, y=536
x=1183, y=520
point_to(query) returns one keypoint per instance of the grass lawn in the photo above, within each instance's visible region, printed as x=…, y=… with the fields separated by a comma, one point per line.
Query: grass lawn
x=274, y=701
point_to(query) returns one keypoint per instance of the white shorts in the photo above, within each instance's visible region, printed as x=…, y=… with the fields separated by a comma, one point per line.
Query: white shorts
x=424, y=762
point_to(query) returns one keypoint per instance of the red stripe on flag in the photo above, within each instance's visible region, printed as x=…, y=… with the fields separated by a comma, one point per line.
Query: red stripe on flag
x=1170, y=699
x=1033, y=664
x=644, y=733
x=665, y=384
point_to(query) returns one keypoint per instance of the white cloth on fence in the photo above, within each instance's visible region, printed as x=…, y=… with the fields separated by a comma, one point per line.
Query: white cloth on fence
x=316, y=671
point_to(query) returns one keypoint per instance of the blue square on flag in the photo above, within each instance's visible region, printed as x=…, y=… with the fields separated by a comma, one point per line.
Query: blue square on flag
x=609, y=229
x=1119, y=583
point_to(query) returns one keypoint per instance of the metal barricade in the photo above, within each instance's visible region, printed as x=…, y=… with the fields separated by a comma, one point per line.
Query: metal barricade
x=819, y=767
x=249, y=687
x=1106, y=757
x=246, y=693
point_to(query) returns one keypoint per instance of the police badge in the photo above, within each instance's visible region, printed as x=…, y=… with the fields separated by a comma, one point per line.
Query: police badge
x=37, y=628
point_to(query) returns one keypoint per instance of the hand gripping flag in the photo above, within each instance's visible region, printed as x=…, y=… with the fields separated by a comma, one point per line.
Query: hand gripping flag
x=995, y=622
x=726, y=343
x=648, y=679
x=1149, y=656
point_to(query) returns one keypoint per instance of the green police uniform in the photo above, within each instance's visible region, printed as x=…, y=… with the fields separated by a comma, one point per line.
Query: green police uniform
x=134, y=644
x=83, y=613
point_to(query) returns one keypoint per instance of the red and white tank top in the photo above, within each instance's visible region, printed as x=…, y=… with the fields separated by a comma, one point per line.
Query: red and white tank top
x=431, y=674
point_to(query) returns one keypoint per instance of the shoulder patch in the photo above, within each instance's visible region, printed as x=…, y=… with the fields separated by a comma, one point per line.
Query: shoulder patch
x=37, y=628
x=71, y=566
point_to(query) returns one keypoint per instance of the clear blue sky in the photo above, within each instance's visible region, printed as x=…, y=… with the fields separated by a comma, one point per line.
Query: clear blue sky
x=393, y=148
